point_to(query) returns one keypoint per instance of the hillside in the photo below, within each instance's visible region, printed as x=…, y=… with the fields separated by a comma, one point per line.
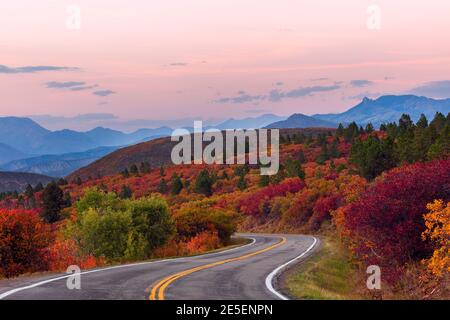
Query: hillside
x=17, y=181
x=389, y=109
x=156, y=153
x=299, y=120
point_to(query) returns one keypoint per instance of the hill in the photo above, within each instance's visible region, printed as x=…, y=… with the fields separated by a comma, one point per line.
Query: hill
x=57, y=165
x=17, y=181
x=8, y=153
x=389, y=109
x=299, y=120
x=156, y=152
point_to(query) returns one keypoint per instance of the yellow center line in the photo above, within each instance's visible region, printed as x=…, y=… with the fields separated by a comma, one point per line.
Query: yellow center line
x=157, y=292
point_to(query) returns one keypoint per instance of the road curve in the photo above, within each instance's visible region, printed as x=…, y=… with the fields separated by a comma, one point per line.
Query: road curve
x=247, y=272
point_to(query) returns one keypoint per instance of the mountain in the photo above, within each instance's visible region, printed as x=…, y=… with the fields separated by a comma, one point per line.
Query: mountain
x=298, y=120
x=57, y=165
x=30, y=138
x=22, y=134
x=17, y=181
x=248, y=123
x=8, y=153
x=389, y=109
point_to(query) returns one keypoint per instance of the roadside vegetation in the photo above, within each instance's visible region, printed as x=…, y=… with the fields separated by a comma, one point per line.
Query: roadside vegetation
x=381, y=197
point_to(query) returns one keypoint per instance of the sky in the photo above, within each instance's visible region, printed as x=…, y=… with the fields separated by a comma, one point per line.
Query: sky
x=128, y=64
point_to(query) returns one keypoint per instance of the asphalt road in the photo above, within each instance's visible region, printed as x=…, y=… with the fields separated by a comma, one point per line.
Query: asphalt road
x=247, y=272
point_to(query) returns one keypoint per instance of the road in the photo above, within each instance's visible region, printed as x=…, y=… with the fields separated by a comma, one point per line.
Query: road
x=247, y=272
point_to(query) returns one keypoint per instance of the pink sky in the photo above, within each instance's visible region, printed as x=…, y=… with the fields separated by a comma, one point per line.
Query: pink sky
x=184, y=58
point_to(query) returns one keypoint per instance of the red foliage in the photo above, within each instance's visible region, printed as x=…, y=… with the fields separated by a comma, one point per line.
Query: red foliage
x=63, y=254
x=250, y=205
x=322, y=209
x=386, y=223
x=23, y=239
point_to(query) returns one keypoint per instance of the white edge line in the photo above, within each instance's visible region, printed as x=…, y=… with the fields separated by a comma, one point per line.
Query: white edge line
x=274, y=273
x=34, y=285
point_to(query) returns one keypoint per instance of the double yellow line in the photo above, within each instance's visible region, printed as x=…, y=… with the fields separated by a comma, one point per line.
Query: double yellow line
x=157, y=292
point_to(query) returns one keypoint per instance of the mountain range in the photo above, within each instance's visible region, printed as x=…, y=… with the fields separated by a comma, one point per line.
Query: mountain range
x=17, y=181
x=298, y=120
x=389, y=109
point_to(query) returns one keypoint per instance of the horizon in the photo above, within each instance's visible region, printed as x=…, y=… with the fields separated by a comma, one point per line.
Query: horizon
x=156, y=61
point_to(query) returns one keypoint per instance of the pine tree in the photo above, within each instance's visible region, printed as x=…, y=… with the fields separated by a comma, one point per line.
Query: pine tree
x=177, y=185
x=242, y=184
x=203, y=183
x=125, y=192
x=52, y=202
x=162, y=188
x=134, y=170
x=264, y=180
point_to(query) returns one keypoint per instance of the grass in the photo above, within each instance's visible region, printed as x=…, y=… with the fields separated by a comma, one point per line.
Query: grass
x=327, y=275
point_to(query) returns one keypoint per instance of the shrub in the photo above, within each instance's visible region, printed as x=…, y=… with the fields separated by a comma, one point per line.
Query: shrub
x=23, y=239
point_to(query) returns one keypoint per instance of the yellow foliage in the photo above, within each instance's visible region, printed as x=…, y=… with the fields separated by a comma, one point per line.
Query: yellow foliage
x=437, y=222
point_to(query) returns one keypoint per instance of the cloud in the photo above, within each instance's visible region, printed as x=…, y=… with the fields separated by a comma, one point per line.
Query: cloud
x=277, y=95
x=361, y=83
x=242, y=98
x=279, y=83
x=178, y=64
x=69, y=85
x=103, y=93
x=319, y=79
x=32, y=69
x=434, y=89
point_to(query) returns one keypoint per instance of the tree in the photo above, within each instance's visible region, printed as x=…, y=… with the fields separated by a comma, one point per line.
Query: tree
x=134, y=170
x=340, y=130
x=294, y=169
x=52, y=201
x=151, y=219
x=39, y=187
x=203, y=184
x=145, y=167
x=301, y=157
x=177, y=185
x=372, y=156
x=125, y=173
x=242, y=184
x=264, y=180
x=125, y=192
x=369, y=128
x=437, y=221
x=422, y=123
x=162, y=188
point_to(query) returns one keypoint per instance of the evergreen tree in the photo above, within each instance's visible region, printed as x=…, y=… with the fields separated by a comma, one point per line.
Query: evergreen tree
x=242, y=184
x=125, y=173
x=177, y=185
x=125, y=192
x=39, y=187
x=203, y=184
x=52, y=202
x=134, y=170
x=162, y=188
x=264, y=180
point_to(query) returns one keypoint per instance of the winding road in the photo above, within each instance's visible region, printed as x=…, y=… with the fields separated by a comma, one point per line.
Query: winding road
x=246, y=272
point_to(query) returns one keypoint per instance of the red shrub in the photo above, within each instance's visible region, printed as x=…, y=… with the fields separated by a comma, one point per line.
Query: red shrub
x=322, y=209
x=386, y=223
x=251, y=204
x=23, y=239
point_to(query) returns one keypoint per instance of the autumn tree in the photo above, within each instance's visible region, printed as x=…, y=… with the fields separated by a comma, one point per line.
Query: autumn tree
x=437, y=221
x=177, y=185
